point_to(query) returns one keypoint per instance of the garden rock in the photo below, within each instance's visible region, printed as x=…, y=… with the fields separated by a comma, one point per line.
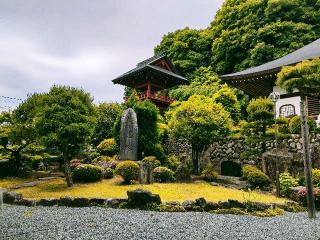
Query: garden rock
x=191, y=206
x=236, y=204
x=48, y=202
x=210, y=206
x=97, y=202
x=115, y=202
x=201, y=202
x=11, y=197
x=140, y=198
x=26, y=202
x=65, y=201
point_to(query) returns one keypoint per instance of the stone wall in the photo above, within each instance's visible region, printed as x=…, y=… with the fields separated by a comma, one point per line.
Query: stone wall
x=241, y=152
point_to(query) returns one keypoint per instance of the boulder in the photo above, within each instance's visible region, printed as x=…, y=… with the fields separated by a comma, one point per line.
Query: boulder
x=191, y=206
x=236, y=204
x=26, y=202
x=210, y=206
x=80, y=202
x=140, y=198
x=11, y=197
x=65, y=201
x=48, y=202
x=201, y=202
x=97, y=202
x=115, y=202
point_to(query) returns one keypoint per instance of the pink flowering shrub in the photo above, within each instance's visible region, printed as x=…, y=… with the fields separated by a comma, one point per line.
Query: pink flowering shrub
x=302, y=196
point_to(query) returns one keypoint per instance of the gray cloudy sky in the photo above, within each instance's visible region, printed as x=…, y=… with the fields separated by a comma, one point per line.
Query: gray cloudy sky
x=85, y=43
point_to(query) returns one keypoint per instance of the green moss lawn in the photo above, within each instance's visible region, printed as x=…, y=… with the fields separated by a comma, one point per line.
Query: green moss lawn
x=113, y=189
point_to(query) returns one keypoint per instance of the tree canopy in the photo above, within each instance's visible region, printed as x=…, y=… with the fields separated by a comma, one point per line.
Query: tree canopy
x=304, y=76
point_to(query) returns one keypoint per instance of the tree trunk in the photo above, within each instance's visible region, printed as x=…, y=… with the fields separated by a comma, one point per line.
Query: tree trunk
x=307, y=158
x=67, y=170
x=195, y=160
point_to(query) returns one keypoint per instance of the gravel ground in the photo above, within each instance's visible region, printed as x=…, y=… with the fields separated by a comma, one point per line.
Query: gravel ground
x=18, y=222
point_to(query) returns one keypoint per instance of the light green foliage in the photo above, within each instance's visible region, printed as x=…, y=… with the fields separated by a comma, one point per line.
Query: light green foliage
x=316, y=177
x=260, y=114
x=252, y=32
x=106, y=114
x=128, y=170
x=304, y=76
x=200, y=121
x=152, y=160
x=233, y=211
x=287, y=181
x=108, y=147
x=209, y=174
x=229, y=100
x=87, y=173
x=163, y=175
x=295, y=125
x=269, y=213
x=188, y=49
x=204, y=82
x=255, y=177
x=172, y=162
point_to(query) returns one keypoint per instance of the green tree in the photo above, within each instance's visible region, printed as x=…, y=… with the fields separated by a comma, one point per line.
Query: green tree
x=229, y=100
x=18, y=131
x=205, y=82
x=261, y=115
x=106, y=115
x=67, y=122
x=188, y=49
x=248, y=33
x=200, y=121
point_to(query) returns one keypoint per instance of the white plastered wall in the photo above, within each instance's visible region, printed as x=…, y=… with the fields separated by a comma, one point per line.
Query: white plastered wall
x=295, y=101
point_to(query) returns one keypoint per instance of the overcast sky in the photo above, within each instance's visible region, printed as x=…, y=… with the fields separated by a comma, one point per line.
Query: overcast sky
x=85, y=43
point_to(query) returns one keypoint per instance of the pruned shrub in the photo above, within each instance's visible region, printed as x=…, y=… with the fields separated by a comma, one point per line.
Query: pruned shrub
x=286, y=182
x=257, y=179
x=108, y=173
x=74, y=163
x=246, y=169
x=128, y=170
x=152, y=160
x=172, y=162
x=87, y=173
x=102, y=159
x=295, y=125
x=209, y=174
x=108, y=147
x=163, y=175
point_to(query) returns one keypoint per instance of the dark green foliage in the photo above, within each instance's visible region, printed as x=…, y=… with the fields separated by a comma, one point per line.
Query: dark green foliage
x=128, y=170
x=250, y=33
x=106, y=114
x=108, y=147
x=188, y=49
x=209, y=174
x=87, y=173
x=163, y=175
x=67, y=122
x=257, y=179
x=6, y=168
x=108, y=173
x=229, y=168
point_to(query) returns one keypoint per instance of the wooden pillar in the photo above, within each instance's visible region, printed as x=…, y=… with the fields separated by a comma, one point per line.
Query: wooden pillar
x=148, y=89
x=307, y=157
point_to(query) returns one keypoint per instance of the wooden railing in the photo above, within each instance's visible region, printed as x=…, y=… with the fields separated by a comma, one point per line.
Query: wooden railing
x=156, y=96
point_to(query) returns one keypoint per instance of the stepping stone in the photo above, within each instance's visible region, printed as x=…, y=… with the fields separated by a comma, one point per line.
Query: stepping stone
x=28, y=184
x=48, y=178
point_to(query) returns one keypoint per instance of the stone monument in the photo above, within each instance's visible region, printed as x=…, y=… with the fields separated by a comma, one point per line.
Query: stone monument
x=129, y=136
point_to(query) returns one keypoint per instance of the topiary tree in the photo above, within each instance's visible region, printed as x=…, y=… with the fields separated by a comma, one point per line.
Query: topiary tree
x=87, y=173
x=304, y=77
x=261, y=115
x=128, y=170
x=67, y=122
x=295, y=125
x=18, y=130
x=229, y=100
x=199, y=121
x=163, y=175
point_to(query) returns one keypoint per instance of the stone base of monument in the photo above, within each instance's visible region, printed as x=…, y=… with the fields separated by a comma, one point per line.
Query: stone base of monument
x=146, y=172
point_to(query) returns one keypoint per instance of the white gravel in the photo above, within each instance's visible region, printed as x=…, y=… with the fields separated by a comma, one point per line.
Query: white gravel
x=18, y=222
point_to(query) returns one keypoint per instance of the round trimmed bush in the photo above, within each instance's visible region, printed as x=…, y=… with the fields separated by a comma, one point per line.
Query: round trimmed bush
x=286, y=182
x=74, y=163
x=87, y=173
x=36, y=161
x=247, y=169
x=172, y=162
x=163, y=175
x=108, y=147
x=152, y=160
x=209, y=174
x=257, y=179
x=128, y=170
x=108, y=173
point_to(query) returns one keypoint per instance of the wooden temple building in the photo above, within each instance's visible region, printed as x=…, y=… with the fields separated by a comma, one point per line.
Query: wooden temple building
x=151, y=78
x=260, y=81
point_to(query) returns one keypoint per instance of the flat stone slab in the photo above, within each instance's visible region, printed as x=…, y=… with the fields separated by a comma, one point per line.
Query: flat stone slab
x=48, y=178
x=28, y=184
